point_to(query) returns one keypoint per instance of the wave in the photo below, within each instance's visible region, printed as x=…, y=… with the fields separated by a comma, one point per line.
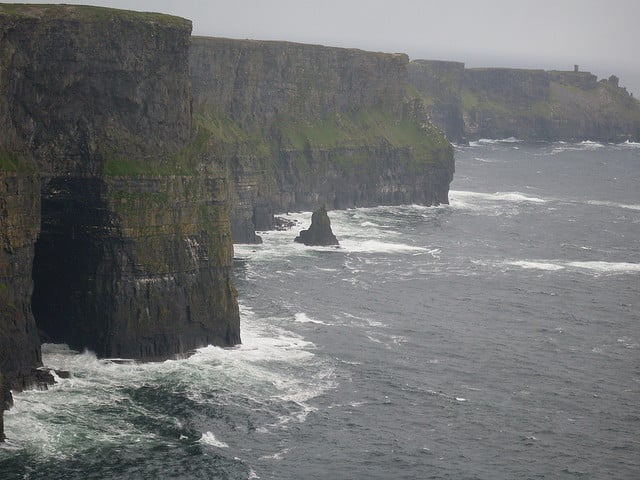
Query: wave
x=302, y=317
x=498, y=196
x=586, y=145
x=598, y=267
x=478, y=200
x=629, y=144
x=108, y=403
x=494, y=141
x=210, y=439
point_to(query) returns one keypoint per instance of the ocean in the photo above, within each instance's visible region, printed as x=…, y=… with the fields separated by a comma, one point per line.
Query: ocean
x=493, y=338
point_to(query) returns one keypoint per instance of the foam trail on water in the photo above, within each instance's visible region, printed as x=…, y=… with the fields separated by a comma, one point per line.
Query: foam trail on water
x=536, y=265
x=607, y=267
x=598, y=267
x=614, y=204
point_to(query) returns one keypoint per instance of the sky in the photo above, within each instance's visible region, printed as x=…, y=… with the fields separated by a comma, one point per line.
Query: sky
x=600, y=36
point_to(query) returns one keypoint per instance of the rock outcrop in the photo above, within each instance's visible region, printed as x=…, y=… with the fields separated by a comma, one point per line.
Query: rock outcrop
x=526, y=104
x=319, y=233
x=112, y=209
x=301, y=125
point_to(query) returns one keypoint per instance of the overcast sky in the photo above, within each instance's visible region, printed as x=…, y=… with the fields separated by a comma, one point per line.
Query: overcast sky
x=601, y=36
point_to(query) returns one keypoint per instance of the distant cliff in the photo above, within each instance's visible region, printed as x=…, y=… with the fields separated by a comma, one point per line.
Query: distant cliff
x=114, y=233
x=297, y=126
x=526, y=104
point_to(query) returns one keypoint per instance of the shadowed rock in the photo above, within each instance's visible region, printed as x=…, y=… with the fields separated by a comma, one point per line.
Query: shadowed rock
x=319, y=232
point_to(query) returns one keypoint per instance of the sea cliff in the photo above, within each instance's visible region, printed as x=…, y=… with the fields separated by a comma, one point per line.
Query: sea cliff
x=298, y=126
x=534, y=105
x=114, y=232
x=129, y=152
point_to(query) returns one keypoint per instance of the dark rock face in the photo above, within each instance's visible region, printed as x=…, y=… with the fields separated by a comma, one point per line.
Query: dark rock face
x=100, y=163
x=259, y=81
x=441, y=84
x=19, y=226
x=3, y=407
x=319, y=232
x=302, y=125
x=526, y=104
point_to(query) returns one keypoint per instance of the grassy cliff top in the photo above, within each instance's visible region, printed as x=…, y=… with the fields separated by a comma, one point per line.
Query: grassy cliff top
x=403, y=57
x=89, y=14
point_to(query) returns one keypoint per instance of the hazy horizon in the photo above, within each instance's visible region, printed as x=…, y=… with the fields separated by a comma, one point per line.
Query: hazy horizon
x=600, y=37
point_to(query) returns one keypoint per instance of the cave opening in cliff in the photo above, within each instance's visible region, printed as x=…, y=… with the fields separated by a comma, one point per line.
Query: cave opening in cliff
x=67, y=256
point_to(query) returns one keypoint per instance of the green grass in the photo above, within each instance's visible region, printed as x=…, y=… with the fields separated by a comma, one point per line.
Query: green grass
x=10, y=162
x=227, y=137
x=84, y=12
x=363, y=128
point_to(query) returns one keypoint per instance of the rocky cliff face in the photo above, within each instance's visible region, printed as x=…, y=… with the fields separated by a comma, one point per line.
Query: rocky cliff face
x=19, y=226
x=440, y=85
x=110, y=208
x=298, y=126
x=527, y=104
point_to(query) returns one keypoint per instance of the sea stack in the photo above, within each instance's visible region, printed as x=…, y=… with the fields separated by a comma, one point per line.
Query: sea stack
x=319, y=232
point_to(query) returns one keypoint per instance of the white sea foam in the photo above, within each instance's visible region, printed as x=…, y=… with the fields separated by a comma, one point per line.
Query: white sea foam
x=209, y=438
x=607, y=267
x=252, y=475
x=614, y=204
x=273, y=367
x=598, y=267
x=494, y=141
x=276, y=456
x=484, y=160
x=586, y=145
x=495, y=202
x=302, y=317
x=536, y=265
x=378, y=246
x=630, y=144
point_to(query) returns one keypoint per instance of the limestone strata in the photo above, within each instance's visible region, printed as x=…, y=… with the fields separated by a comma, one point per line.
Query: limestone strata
x=100, y=163
x=298, y=126
x=19, y=226
x=258, y=82
x=526, y=104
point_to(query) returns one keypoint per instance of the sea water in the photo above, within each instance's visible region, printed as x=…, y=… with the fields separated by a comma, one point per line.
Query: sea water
x=493, y=338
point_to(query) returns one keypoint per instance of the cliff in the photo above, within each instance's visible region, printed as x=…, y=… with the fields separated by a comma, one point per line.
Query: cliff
x=297, y=126
x=439, y=84
x=526, y=104
x=114, y=234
